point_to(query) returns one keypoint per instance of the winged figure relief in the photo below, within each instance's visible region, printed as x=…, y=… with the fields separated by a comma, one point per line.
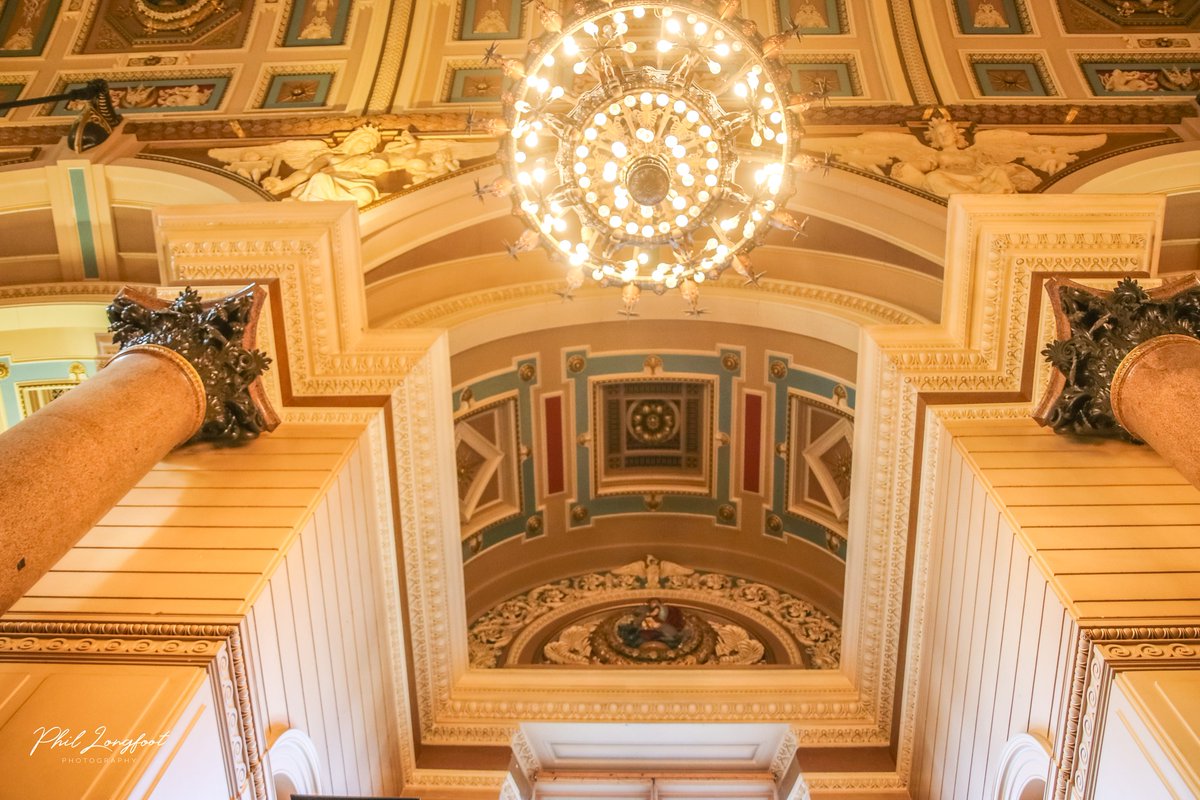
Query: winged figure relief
x=348, y=170
x=996, y=162
x=653, y=571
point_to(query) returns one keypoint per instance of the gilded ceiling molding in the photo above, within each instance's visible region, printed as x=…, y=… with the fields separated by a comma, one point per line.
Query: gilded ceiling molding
x=391, y=59
x=1098, y=117
x=127, y=642
x=244, y=731
x=186, y=130
x=526, y=758
x=783, y=757
x=324, y=125
x=85, y=290
x=509, y=789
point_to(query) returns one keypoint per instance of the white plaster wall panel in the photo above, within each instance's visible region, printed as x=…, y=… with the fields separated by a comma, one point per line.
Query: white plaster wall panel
x=320, y=641
x=997, y=663
x=1133, y=762
x=195, y=768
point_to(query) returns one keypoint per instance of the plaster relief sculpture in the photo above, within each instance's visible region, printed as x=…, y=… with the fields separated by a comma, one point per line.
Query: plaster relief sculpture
x=653, y=571
x=350, y=170
x=987, y=16
x=655, y=612
x=949, y=164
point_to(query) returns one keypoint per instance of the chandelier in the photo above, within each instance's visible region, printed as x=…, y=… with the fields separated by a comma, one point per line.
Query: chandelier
x=649, y=145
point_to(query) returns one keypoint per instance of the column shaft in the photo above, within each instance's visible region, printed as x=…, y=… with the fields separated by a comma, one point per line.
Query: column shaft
x=65, y=466
x=1156, y=396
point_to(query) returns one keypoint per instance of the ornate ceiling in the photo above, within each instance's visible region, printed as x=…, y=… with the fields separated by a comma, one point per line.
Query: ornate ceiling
x=584, y=444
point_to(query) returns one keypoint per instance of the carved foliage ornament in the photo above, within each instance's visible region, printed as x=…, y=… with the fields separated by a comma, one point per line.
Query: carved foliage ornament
x=1096, y=330
x=217, y=339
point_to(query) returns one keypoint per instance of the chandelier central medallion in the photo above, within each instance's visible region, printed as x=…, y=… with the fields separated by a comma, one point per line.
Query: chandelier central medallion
x=649, y=145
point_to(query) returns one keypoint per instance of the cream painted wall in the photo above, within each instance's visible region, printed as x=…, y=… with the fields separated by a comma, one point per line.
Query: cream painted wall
x=318, y=642
x=194, y=766
x=997, y=661
x=56, y=718
x=1151, y=737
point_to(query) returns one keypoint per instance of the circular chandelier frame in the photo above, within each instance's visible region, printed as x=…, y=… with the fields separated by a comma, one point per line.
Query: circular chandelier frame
x=649, y=144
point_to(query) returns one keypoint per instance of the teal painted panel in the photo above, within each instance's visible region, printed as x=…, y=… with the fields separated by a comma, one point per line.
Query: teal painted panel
x=83, y=223
x=310, y=90
x=25, y=27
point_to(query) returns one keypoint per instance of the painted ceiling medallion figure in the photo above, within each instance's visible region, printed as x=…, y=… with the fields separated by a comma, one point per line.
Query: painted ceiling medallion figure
x=987, y=16
x=656, y=634
x=318, y=26
x=493, y=20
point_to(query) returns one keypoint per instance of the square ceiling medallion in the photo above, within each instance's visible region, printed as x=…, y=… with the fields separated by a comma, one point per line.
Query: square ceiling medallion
x=992, y=17
x=493, y=445
x=814, y=433
x=654, y=436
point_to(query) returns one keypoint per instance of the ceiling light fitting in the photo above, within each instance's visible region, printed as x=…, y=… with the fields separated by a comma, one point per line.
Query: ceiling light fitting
x=649, y=145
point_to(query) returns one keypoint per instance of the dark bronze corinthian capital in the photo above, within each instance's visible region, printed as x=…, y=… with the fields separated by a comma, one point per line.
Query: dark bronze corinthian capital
x=217, y=338
x=1096, y=329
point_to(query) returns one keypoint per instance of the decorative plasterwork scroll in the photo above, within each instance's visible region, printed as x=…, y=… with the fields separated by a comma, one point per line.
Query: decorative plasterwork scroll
x=994, y=161
x=114, y=641
x=356, y=169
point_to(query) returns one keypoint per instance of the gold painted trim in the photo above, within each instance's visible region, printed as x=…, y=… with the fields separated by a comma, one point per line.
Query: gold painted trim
x=1130, y=361
x=186, y=369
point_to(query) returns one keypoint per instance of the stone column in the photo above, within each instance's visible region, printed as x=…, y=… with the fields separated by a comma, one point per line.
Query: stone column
x=1156, y=397
x=186, y=372
x=1127, y=365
